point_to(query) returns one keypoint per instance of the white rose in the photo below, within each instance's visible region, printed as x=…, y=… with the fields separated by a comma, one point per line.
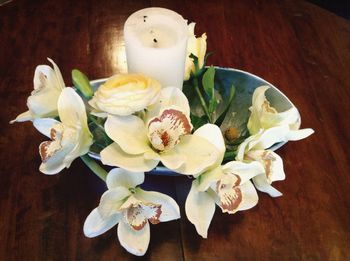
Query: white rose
x=124, y=94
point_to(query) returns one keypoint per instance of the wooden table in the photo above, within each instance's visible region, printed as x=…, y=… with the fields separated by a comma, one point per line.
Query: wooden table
x=300, y=48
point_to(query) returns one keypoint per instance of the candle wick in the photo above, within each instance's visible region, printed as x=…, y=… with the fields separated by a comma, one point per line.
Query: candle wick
x=144, y=18
x=155, y=40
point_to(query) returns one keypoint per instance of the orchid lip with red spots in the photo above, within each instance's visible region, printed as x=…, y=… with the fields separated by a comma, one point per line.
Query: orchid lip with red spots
x=165, y=131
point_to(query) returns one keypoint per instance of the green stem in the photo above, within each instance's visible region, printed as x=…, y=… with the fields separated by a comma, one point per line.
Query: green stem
x=94, y=167
x=201, y=99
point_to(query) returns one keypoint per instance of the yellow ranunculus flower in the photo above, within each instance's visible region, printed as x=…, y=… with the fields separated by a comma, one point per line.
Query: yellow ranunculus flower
x=124, y=94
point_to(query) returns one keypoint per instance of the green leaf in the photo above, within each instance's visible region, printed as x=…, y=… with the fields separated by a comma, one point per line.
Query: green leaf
x=230, y=100
x=229, y=156
x=101, y=139
x=208, y=82
x=82, y=83
x=198, y=121
x=212, y=105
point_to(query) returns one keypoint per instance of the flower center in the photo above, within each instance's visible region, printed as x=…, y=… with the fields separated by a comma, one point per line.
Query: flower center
x=267, y=107
x=62, y=138
x=266, y=158
x=165, y=131
x=137, y=214
x=229, y=192
x=48, y=148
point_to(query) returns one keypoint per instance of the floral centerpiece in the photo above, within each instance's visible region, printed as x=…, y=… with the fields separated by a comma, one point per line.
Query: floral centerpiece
x=135, y=122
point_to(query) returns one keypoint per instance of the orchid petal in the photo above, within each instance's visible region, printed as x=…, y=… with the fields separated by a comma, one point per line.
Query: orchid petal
x=151, y=155
x=132, y=200
x=272, y=163
x=200, y=208
x=113, y=155
x=249, y=196
x=55, y=163
x=134, y=241
x=245, y=171
x=258, y=100
x=44, y=77
x=51, y=167
x=269, y=137
x=44, y=102
x=71, y=109
x=198, y=154
x=56, y=154
x=169, y=97
x=169, y=208
x=99, y=113
x=264, y=139
x=172, y=160
x=25, y=116
x=129, y=132
x=288, y=117
x=242, y=148
x=112, y=200
x=212, y=133
x=95, y=225
x=209, y=177
x=82, y=146
x=45, y=125
x=263, y=185
x=299, y=134
x=124, y=178
x=59, y=79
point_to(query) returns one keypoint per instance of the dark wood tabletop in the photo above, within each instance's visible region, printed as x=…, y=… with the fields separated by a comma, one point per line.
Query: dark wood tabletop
x=300, y=48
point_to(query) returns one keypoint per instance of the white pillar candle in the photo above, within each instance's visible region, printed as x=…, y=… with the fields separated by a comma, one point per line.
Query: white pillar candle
x=156, y=43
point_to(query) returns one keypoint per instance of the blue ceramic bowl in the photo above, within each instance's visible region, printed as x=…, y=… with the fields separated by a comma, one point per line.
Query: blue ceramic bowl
x=238, y=114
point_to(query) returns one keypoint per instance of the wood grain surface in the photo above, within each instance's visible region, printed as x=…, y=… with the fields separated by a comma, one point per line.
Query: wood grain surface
x=301, y=48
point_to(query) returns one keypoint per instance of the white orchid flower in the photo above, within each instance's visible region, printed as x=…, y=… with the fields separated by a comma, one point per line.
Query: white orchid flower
x=255, y=148
x=163, y=135
x=132, y=209
x=227, y=186
x=42, y=103
x=70, y=138
x=264, y=116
